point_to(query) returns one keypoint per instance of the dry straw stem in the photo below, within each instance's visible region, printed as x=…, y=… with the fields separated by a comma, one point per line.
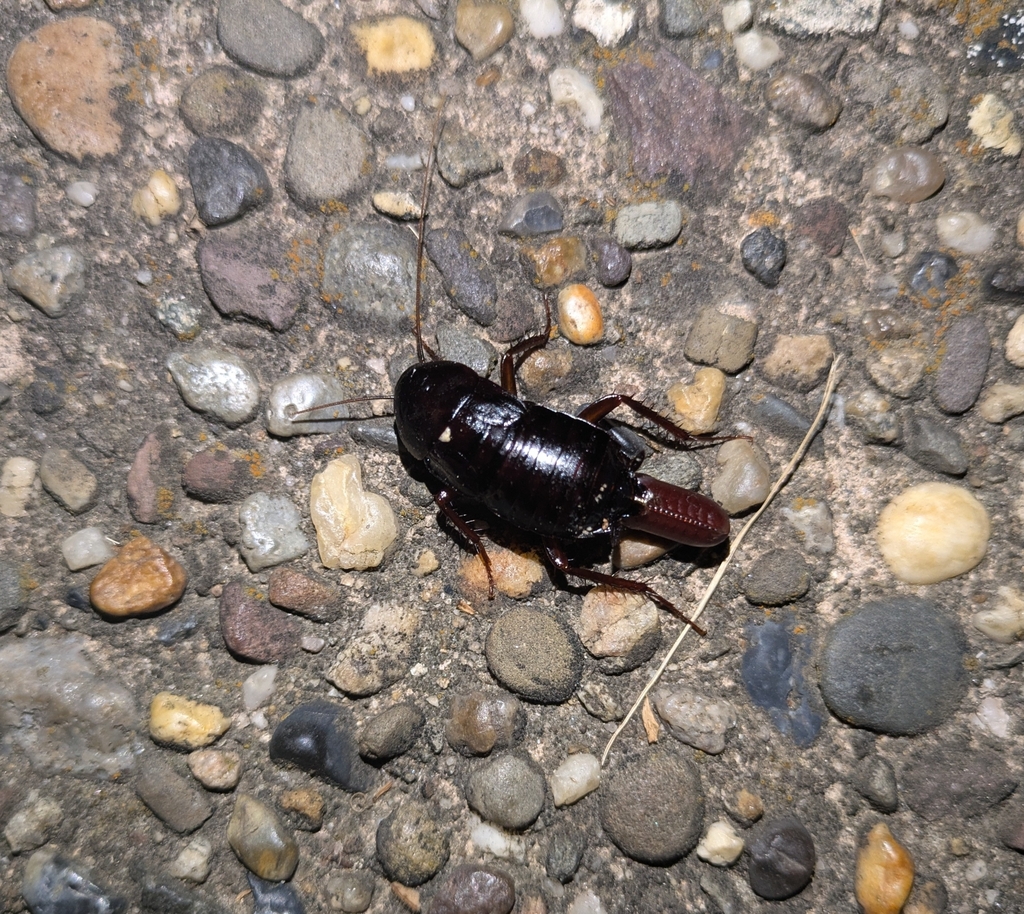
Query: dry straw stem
x=826, y=399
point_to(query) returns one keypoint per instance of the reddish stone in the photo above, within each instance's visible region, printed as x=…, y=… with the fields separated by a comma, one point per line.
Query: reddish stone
x=304, y=595
x=825, y=221
x=253, y=629
x=216, y=475
x=143, y=488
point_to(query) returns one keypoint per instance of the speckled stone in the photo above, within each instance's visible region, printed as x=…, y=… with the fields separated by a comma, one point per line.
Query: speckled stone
x=652, y=807
x=243, y=27
x=962, y=370
x=933, y=445
x=221, y=101
x=468, y=278
x=171, y=798
x=535, y=656
x=895, y=666
x=536, y=169
x=217, y=475
x=463, y=158
x=411, y=844
x=391, y=733
x=68, y=480
x=804, y=99
x=254, y=630
x=778, y=577
x=508, y=790
x=328, y=157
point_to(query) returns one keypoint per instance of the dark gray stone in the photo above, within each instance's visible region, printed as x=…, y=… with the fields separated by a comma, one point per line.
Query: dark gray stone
x=962, y=370
x=411, y=845
x=221, y=100
x=895, y=666
x=468, y=279
x=391, y=733
x=266, y=36
x=782, y=859
x=933, y=445
x=318, y=737
x=566, y=845
x=55, y=884
x=227, y=180
x=613, y=262
x=776, y=578
x=171, y=798
x=764, y=255
x=508, y=790
x=463, y=158
x=956, y=782
x=875, y=780
x=537, y=213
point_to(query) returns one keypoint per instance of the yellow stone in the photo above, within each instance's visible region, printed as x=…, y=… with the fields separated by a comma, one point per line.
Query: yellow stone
x=157, y=199
x=557, y=260
x=697, y=404
x=933, y=532
x=60, y=79
x=183, y=723
x=885, y=873
x=515, y=573
x=482, y=28
x=142, y=578
x=579, y=315
x=397, y=44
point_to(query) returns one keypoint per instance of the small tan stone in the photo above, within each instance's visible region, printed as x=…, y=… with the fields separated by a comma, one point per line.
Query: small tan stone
x=932, y=532
x=1015, y=338
x=142, y=578
x=307, y=807
x=18, y=481
x=216, y=769
x=697, y=404
x=885, y=873
x=612, y=621
x=183, y=723
x=354, y=528
x=1001, y=402
x=157, y=199
x=399, y=205
x=60, y=79
x=745, y=807
x=515, y=574
x=635, y=549
x=579, y=315
x=799, y=362
x=556, y=260
x=260, y=840
x=482, y=28
x=398, y=44
x=898, y=369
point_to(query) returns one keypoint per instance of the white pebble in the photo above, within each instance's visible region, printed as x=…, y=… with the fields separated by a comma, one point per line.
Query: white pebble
x=193, y=863
x=1001, y=402
x=1015, y=343
x=570, y=87
x=82, y=193
x=742, y=479
x=257, y=689
x=893, y=243
x=543, y=18
x=965, y=232
x=577, y=776
x=398, y=161
x=609, y=22
x=144, y=277
x=494, y=841
x=932, y=532
x=216, y=382
x=720, y=846
x=408, y=103
x=17, y=484
x=586, y=902
x=1004, y=623
x=756, y=51
x=991, y=718
x=695, y=719
x=86, y=548
x=908, y=29
x=737, y=16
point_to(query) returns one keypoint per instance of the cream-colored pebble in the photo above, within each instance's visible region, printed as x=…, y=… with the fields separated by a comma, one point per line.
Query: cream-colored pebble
x=721, y=845
x=1015, y=340
x=697, y=404
x=1005, y=621
x=184, y=723
x=932, y=532
x=157, y=199
x=579, y=315
x=1001, y=402
x=577, y=776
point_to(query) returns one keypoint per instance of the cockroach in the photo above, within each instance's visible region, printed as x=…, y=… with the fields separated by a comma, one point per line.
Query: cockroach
x=559, y=477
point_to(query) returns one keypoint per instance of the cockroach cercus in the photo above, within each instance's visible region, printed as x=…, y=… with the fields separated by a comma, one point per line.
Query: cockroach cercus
x=557, y=477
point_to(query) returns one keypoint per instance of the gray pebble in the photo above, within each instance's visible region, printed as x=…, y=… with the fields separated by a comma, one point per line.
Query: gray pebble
x=895, y=666
x=221, y=100
x=351, y=891
x=508, y=790
x=468, y=279
x=566, y=844
x=17, y=202
x=652, y=807
x=962, y=370
x=875, y=780
x=266, y=36
x=273, y=897
x=933, y=445
x=178, y=314
x=411, y=845
x=804, y=99
x=721, y=340
x=695, y=718
x=33, y=823
x=463, y=158
x=296, y=392
x=930, y=273
x=534, y=656
x=598, y=701
x=778, y=416
x=956, y=782
x=217, y=383
x=227, y=180
x=328, y=155
x=776, y=578
x=456, y=345
x=613, y=262
x=649, y=225
x=170, y=797
x=682, y=18
x=537, y=213
x=764, y=255
x=369, y=270
x=55, y=884
x=391, y=733
x=68, y=480
x=49, y=279
x=271, y=531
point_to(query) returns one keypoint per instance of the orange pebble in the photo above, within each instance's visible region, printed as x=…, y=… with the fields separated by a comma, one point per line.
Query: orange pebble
x=885, y=873
x=579, y=315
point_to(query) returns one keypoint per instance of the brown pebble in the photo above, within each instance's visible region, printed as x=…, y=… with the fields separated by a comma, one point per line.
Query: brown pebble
x=217, y=475
x=303, y=594
x=515, y=574
x=538, y=169
x=142, y=578
x=472, y=887
x=172, y=799
x=556, y=261
x=824, y=221
x=149, y=500
x=544, y=371
x=482, y=28
x=306, y=807
x=480, y=721
x=253, y=629
x=260, y=840
x=579, y=315
x=745, y=807
x=60, y=79
x=885, y=873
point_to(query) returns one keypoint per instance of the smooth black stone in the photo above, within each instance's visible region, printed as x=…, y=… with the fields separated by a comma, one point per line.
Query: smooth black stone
x=934, y=446
x=78, y=597
x=930, y=273
x=895, y=666
x=782, y=859
x=227, y=181
x=55, y=884
x=318, y=737
x=565, y=851
x=764, y=255
x=274, y=897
